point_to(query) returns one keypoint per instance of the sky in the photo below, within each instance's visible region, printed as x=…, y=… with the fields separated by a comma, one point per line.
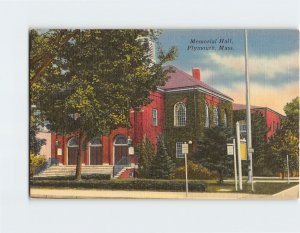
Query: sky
x=273, y=62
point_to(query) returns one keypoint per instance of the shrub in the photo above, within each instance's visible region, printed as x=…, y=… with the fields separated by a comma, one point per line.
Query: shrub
x=36, y=161
x=195, y=171
x=155, y=185
x=84, y=177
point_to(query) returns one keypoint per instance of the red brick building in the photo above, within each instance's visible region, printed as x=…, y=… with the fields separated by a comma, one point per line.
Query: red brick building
x=273, y=118
x=184, y=103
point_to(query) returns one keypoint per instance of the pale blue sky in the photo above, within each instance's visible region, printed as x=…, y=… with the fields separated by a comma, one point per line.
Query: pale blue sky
x=273, y=62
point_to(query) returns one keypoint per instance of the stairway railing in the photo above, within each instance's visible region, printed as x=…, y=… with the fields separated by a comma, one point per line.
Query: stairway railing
x=122, y=163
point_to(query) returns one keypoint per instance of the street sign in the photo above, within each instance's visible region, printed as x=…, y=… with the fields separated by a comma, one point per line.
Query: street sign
x=243, y=147
x=230, y=149
x=59, y=151
x=185, y=148
x=131, y=150
x=251, y=150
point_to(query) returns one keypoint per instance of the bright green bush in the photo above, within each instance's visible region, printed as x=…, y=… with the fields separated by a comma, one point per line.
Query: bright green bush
x=35, y=161
x=195, y=171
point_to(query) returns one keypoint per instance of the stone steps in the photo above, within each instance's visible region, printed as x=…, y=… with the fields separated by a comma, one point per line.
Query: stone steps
x=70, y=170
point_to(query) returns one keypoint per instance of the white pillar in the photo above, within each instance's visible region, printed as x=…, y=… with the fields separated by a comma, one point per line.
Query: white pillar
x=186, y=175
x=235, y=171
x=238, y=144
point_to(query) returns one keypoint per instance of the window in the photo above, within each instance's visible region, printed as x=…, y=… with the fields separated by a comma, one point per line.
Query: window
x=216, y=116
x=179, y=150
x=206, y=116
x=73, y=142
x=95, y=142
x=120, y=140
x=154, y=117
x=225, y=119
x=243, y=128
x=179, y=114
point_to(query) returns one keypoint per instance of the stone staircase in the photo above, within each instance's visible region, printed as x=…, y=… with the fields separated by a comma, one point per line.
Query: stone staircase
x=69, y=170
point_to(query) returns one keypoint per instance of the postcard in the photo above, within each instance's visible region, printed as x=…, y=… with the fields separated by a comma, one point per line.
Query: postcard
x=164, y=114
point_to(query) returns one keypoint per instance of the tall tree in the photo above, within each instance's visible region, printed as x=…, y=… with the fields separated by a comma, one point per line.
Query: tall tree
x=163, y=167
x=286, y=140
x=95, y=79
x=146, y=154
x=212, y=153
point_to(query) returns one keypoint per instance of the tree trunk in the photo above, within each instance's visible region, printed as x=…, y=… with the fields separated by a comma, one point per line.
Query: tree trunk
x=282, y=175
x=221, y=181
x=80, y=154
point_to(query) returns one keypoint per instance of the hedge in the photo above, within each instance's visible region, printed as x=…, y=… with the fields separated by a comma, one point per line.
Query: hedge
x=84, y=177
x=138, y=184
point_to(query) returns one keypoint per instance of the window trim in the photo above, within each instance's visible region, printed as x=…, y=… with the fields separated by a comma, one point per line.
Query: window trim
x=206, y=116
x=225, y=120
x=154, y=117
x=216, y=116
x=178, y=148
x=179, y=121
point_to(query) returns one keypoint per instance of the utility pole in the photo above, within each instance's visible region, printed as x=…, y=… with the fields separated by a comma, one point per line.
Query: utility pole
x=248, y=116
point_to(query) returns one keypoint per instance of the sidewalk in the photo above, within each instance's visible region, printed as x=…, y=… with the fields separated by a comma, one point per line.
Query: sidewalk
x=292, y=193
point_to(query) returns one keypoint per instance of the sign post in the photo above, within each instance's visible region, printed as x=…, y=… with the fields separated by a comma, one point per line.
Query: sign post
x=231, y=151
x=288, y=168
x=185, y=151
x=239, y=154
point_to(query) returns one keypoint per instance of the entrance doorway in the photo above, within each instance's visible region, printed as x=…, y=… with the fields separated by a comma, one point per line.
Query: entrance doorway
x=95, y=150
x=72, y=151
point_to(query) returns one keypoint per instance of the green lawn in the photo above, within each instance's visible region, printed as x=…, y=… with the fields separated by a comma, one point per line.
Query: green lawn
x=259, y=187
x=160, y=185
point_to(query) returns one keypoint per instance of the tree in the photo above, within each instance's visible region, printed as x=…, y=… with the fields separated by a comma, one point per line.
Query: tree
x=282, y=144
x=146, y=153
x=35, y=144
x=162, y=167
x=286, y=140
x=212, y=151
x=259, y=140
x=291, y=121
x=94, y=79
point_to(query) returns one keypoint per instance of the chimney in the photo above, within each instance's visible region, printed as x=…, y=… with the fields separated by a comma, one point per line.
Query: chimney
x=196, y=73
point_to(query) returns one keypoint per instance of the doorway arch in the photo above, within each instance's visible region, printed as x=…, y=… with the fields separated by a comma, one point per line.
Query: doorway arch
x=72, y=151
x=120, y=148
x=95, y=151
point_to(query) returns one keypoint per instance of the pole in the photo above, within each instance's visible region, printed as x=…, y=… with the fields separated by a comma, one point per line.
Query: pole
x=248, y=115
x=186, y=175
x=238, y=144
x=234, y=157
x=288, y=168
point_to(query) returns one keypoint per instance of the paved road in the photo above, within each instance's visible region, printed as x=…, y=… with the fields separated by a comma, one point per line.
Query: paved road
x=292, y=193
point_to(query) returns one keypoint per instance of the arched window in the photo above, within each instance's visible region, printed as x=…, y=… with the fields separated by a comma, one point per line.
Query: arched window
x=95, y=149
x=206, y=116
x=216, y=116
x=73, y=142
x=225, y=119
x=179, y=114
x=120, y=148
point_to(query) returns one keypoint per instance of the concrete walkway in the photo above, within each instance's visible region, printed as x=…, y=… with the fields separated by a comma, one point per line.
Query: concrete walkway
x=292, y=193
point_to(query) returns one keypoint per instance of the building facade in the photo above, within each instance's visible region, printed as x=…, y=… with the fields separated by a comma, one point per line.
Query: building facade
x=272, y=118
x=180, y=110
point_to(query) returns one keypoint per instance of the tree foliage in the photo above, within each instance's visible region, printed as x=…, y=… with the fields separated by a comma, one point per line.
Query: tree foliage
x=259, y=141
x=94, y=78
x=162, y=167
x=286, y=140
x=146, y=155
x=212, y=153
